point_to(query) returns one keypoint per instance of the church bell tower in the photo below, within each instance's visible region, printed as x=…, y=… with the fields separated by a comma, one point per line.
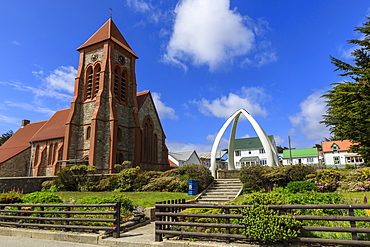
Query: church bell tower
x=103, y=127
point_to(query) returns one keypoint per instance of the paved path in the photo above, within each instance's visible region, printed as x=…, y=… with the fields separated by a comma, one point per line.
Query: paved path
x=6, y=241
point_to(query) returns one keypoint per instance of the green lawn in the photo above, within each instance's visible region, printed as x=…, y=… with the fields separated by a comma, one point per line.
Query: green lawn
x=144, y=199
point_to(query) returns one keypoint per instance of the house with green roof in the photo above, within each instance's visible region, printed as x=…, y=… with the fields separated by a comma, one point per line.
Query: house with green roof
x=306, y=156
x=250, y=151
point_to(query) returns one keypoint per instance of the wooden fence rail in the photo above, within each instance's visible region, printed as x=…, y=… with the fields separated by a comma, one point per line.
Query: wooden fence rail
x=48, y=215
x=168, y=214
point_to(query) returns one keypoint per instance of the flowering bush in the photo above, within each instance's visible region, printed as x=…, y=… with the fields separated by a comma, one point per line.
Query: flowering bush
x=327, y=180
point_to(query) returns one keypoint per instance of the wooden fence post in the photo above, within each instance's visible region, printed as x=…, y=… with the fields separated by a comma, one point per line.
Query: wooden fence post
x=117, y=217
x=352, y=223
x=158, y=236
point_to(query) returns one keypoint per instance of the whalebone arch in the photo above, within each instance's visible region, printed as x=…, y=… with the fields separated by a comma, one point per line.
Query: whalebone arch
x=272, y=158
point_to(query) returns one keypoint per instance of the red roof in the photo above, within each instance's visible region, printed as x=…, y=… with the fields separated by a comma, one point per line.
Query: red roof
x=19, y=141
x=108, y=31
x=54, y=127
x=141, y=97
x=343, y=145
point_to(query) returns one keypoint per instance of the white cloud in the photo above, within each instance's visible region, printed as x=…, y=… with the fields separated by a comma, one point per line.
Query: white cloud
x=163, y=110
x=62, y=79
x=151, y=11
x=248, y=98
x=30, y=107
x=279, y=141
x=138, y=5
x=308, y=119
x=14, y=42
x=174, y=146
x=7, y=119
x=207, y=32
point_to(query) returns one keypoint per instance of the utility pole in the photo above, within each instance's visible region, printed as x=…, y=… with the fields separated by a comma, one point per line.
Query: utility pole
x=290, y=151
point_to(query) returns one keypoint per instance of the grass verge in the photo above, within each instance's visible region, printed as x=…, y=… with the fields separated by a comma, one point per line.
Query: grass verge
x=144, y=199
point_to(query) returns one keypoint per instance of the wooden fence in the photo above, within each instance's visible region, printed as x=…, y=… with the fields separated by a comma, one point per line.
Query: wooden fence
x=48, y=215
x=168, y=213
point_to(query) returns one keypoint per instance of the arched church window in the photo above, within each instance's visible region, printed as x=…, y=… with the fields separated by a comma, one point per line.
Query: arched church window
x=148, y=145
x=36, y=155
x=89, y=83
x=50, y=158
x=116, y=82
x=97, y=79
x=123, y=87
x=88, y=133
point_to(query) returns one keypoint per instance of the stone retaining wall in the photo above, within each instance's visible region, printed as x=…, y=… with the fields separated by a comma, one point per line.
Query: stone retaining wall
x=27, y=184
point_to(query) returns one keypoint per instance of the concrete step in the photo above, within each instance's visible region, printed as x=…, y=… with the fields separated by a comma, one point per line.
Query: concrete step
x=215, y=193
x=212, y=201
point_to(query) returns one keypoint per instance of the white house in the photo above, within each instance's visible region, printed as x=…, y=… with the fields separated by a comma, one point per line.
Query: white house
x=221, y=159
x=337, y=155
x=250, y=151
x=306, y=156
x=178, y=159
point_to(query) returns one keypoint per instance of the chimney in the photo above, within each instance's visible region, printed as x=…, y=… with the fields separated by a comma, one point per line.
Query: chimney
x=25, y=122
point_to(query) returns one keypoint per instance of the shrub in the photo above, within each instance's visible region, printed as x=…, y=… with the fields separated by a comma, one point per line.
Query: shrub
x=176, y=180
x=126, y=204
x=10, y=197
x=41, y=197
x=75, y=178
x=196, y=172
x=107, y=183
x=264, y=224
x=256, y=177
x=301, y=186
x=299, y=172
x=251, y=177
x=259, y=198
x=126, y=178
x=327, y=180
x=143, y=178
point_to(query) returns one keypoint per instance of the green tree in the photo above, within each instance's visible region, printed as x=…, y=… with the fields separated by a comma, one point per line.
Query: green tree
x=348, y=113
x=4, y=137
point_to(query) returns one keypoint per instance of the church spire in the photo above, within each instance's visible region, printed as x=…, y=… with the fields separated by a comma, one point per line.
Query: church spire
x=108, y=31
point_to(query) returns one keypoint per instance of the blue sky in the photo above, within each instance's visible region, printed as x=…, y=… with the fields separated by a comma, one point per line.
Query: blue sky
x=201, y=59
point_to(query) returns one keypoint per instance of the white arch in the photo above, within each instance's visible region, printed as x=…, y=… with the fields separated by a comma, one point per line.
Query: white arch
x=272, y=158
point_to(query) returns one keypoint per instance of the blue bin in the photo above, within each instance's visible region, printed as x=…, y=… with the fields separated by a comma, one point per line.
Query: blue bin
x=192, y=187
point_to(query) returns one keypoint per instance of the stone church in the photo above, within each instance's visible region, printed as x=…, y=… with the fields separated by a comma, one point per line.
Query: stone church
x=108, y=121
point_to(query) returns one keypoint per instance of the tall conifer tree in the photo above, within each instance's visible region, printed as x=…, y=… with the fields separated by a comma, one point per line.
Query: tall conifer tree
x=348, y=113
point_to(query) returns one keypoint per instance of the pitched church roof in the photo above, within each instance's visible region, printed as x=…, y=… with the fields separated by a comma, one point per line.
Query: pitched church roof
x=19, y=142
x=108, y=31
x=53, y=128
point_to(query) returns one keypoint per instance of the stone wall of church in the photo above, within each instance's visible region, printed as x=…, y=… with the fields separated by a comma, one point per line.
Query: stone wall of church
x=148, y=109
x=18, y=166
x=50, y=152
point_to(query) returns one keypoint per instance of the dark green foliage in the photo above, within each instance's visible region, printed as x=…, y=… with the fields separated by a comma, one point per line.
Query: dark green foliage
x=76, y=178
x=301, y=186
x=143, y=178
x=176, y=180
x=196, y=172
x=126, y=204
x=10, y=197
x=265, y=225
x=271, y=198
x=41, y=197
x=4, y=137
x=348, y=113
x=106, y=183
x=251, y=177
x=256, y=177
x=327, y=180
x=299, y=172
x=126, y=179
